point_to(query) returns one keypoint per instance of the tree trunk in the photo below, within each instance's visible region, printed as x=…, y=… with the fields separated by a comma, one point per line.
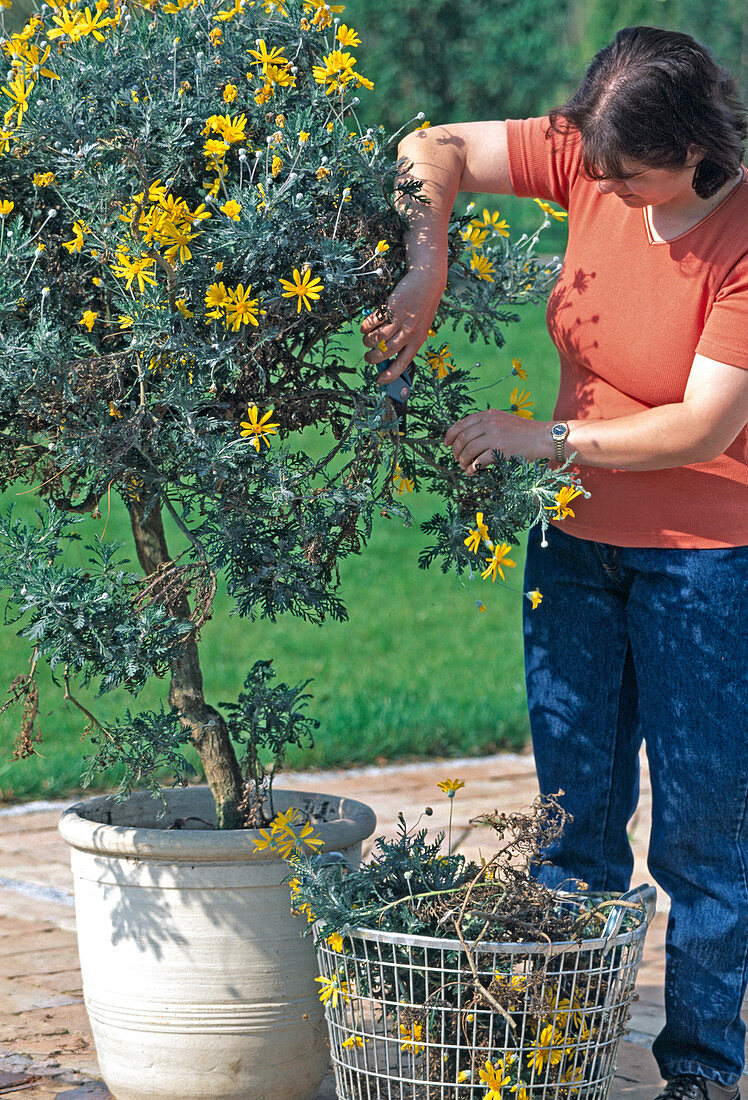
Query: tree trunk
x=206, y=727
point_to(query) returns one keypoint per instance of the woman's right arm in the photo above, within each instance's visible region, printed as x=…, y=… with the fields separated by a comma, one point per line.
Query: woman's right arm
x=470, y=156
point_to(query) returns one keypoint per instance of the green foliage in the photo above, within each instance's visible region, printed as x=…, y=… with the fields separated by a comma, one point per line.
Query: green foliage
x=267, y=721
x=461, y=59
x=143, y=745
x=401, y=869
x=90, y=622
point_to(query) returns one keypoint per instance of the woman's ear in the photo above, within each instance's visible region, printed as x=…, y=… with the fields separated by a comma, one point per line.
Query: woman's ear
x=694, y=156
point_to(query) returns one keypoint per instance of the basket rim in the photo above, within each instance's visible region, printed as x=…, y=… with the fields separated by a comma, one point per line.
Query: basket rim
x=602, y=943
x=492, y=947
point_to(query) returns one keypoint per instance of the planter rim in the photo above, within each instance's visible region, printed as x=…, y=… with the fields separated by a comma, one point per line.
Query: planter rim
x=81, y=830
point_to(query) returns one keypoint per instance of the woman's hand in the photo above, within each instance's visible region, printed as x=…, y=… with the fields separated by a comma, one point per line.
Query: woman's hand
x=397, y=330
x=475, y=438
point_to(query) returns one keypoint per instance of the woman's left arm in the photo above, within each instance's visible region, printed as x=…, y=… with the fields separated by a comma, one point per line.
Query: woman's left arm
x=713, y=411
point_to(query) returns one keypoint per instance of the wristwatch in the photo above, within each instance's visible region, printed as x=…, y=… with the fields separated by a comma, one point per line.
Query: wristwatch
x=559, y=432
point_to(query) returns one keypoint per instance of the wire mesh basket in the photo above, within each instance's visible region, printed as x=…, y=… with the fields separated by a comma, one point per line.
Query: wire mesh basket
x=407, y=1020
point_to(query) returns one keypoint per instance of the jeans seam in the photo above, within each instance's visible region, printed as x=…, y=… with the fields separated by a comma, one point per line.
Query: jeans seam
x=738, y=831
x=611, y=766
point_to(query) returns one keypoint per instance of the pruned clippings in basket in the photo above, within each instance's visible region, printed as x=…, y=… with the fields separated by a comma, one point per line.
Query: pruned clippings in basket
x=445, y=979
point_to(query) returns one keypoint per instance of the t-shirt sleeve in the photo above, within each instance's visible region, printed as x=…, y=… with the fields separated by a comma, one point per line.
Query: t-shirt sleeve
x=542, y=165
x=725, y=334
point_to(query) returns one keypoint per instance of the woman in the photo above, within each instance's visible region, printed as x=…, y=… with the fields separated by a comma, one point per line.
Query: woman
x=642, y=630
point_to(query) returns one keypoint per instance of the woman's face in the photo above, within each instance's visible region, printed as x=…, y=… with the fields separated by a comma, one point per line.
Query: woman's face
x=646, y=186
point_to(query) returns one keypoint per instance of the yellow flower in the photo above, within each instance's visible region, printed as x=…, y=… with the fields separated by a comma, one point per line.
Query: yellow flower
x=498, y=562
x=474, y=236
x=18, y=93
x=44, y=179
x=134, y=271
x=402, y=483
x=215, y=149
x=335, y=941
x=224, y=14
x=232, y=209
x=463, y=1075
x=76, y=244
x=92, y=24
x=307, y=289
x=230, y=92
x=492, y=221
x=439, y=361
x=482, y=267
x=231, y=130
x=282, y=837
x=559, y=215
x=493, y=1076
x=382, y=246
x=570, y=1076
x=475, y=538
x=276, y=166
x=181, y=304
x=322, y=172
x=353, y=1041
x=520, y=403
x=265, y=57
x=535, y=597
x=333, y=989
x=216, y=299
x=303, y=137
x=258, y=429
x=335, y=71
x=114, y=411
x=410, y=1038
x=216, y=36
x=518, y=369
x=564, y=498
x=545, y=1049
x=346, y=36
x=88, y=318
x=241, y=309
x=219, y=267
x=5, y=207
x=125, y=321
x=450, y=786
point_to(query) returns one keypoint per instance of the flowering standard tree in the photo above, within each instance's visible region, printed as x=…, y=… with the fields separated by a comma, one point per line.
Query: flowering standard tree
x=189, y=216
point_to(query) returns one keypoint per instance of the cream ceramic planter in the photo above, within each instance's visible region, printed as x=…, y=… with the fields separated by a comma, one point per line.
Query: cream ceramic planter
x=197, y=981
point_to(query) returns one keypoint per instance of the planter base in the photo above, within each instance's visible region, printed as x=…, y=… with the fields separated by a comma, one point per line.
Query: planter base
x=197, y=981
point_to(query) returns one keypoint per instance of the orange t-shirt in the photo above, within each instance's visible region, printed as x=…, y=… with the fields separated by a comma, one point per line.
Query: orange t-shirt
x=627, y=315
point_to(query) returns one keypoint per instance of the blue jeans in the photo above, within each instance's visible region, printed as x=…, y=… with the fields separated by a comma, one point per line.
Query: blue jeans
x=633, y=643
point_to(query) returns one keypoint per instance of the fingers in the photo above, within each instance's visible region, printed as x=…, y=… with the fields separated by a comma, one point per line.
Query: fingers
x=384, y=343
x=484, y=459
x=467, y=422
x=399, y=363
x=473, y=441
x=382, y=315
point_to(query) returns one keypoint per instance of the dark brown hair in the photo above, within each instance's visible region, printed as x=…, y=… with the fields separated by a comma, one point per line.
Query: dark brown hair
x=649, y=97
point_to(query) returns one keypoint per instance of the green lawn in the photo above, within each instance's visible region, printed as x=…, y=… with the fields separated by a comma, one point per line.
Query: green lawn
x=417, y=671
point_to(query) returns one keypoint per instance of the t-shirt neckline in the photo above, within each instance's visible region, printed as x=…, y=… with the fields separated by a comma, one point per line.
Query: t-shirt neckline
x=649, y=227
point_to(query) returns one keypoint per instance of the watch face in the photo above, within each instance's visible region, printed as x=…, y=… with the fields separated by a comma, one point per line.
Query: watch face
x=559, y=431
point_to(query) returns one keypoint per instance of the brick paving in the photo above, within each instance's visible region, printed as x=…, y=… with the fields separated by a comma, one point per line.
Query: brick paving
x=46, y=1049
